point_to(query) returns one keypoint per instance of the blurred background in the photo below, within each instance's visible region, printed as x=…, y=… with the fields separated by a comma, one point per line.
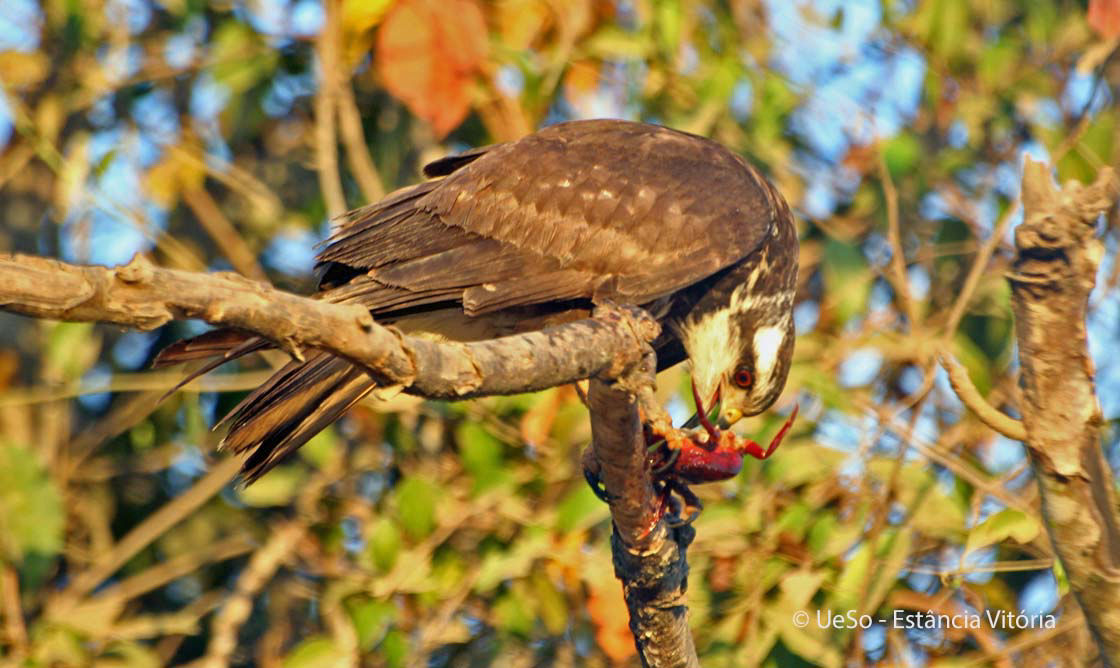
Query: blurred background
x=225, y=135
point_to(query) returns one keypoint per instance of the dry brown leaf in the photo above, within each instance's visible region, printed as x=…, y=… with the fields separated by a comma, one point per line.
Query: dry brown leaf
x=1104, y=17
x=612, y=620
x=427, y=53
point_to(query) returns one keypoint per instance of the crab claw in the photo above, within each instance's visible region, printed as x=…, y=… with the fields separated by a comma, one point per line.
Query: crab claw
x=755, y=450
x=702, y=415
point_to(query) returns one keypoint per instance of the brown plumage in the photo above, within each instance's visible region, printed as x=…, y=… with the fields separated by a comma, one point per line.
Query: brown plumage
x=531, y=232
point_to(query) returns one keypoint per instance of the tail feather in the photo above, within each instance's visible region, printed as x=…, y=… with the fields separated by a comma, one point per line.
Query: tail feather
x=298, y=402
x=294, y=404
x=225, y=345
x=224, y=342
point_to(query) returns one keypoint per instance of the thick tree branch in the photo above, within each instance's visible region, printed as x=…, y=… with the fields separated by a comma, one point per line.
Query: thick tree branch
x=1054, y=272
x=145, y=296
x=649, y=557
x=612, y=348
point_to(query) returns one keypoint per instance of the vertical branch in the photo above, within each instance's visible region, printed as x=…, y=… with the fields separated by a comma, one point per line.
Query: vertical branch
x=326, y=147
x=262, y=566
x=901, y=279
x=14, y=627
x=649, y=558
x=357, y=152
x=224, y=234
x=1054, y=272
x=152, y=528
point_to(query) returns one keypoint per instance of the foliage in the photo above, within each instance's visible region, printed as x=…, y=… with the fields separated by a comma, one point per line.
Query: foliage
x=220, y=135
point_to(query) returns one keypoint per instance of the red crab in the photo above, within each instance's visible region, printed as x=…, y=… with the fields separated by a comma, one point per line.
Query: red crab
x=683, y=457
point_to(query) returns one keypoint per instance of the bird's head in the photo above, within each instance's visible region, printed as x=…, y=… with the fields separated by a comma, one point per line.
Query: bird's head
x=740, y=358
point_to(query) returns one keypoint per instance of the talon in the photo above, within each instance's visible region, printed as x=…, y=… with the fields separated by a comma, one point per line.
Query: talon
x=591, y=475
x=670, y=461
x=596, y=486
x=691, y=505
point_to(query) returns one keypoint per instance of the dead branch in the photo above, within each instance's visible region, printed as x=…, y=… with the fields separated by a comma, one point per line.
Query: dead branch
x=144, y=296
x=1055, y=269
x=649, y=557
x=970, y=396
x=612, y=347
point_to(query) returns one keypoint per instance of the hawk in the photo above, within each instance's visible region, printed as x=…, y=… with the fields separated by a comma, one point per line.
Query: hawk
x=525, y=234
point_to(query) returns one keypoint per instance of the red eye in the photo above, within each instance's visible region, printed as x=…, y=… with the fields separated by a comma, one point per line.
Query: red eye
x=742, y=378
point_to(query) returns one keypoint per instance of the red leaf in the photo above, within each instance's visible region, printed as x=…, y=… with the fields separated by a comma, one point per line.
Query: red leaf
x=1104, y=17
x=427, y=53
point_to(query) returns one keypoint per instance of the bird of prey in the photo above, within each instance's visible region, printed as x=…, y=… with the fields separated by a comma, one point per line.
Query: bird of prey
x=524, y=234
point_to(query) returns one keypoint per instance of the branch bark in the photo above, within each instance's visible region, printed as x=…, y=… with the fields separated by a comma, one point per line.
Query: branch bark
x=1055, y=269
x=144, y=296
x=612, y=348
x=649, y=557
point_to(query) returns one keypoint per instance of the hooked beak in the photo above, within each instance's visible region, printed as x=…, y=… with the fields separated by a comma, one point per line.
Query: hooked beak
x=730, y=417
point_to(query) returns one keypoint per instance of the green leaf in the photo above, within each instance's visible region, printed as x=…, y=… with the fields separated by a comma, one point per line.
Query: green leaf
x=322, y=448
x=902, y=154
x=1094, y=148
x=371, y=619
x=31, y=513
x=796, y=464
x=498, y=565
x=611, y=42
x=278, y=487
x=240, y=58
x=580, y=509
x=317, y=651
x=933, y=510
x=416, y=506
x=1007, y=523
x=894, y=548
x=481, y=454
x=513, y=612
x=71, y=348
x=130, y=654
x=847, y=279
x=796, y=518
x=830, y=537
x=668, y=23
x=394, y=649
x=999, y=63
x=384, y=543
x=552, y=606
x=860, y=588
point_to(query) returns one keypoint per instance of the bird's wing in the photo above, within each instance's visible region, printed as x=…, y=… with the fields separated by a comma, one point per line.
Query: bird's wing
x=586, y=209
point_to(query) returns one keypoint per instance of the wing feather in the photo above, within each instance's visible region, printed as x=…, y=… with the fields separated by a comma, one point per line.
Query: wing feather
x=642, y=210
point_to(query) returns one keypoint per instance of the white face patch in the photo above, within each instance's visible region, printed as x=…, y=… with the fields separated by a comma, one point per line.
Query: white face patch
x=767, y=343
x=712, y=347
x=713, y=343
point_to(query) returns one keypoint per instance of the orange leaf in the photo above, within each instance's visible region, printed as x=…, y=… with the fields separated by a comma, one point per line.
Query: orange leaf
x=582, y=77
x=612, y=620
x=1104, y=17
x=427, y=53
